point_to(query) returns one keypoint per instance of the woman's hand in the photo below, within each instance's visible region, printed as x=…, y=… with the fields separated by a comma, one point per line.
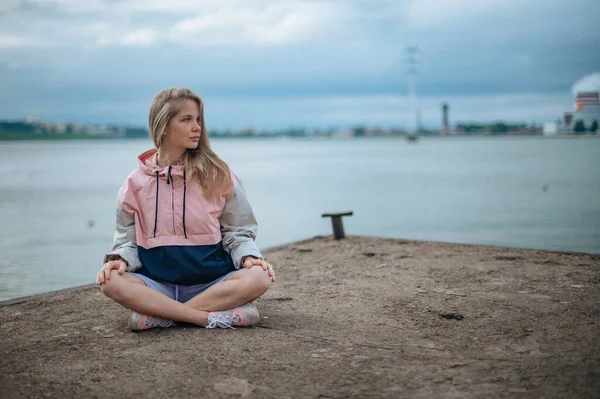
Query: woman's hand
x=104, y=273
x=250, y=261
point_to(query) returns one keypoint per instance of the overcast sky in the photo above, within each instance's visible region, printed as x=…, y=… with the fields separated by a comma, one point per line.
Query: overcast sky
x=273, y=64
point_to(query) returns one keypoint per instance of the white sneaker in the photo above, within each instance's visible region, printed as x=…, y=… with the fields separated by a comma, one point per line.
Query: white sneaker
x=141, y=322
x=243, y=316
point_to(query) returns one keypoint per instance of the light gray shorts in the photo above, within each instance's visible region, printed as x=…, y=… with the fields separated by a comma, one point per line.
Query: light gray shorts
x=181, y=293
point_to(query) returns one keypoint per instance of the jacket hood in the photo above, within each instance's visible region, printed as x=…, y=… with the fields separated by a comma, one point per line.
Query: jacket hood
x=149, y=165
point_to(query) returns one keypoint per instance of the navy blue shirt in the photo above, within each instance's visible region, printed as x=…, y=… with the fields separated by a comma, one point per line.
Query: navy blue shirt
x=185, y=265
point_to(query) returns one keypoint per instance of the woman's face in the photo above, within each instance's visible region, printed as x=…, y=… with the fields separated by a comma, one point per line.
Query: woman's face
x=183, y=131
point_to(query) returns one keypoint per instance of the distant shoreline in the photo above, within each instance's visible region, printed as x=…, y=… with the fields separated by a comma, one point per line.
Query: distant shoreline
x=106, y=138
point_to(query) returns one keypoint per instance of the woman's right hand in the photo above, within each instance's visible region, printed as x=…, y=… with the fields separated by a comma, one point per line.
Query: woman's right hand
x=104, y=273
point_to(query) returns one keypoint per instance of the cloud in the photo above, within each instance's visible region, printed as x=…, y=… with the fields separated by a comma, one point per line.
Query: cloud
x=274, y=23
x=142, y=23
x=12, y=41
x=498, y=22
x=172, y=6
x=589, y=82
x=139, y=37
x=428, y=14
x=349, y=53
x=64, y=6
x=9, y=5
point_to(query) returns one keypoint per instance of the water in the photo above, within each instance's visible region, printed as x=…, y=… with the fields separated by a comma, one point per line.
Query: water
x=518, y=192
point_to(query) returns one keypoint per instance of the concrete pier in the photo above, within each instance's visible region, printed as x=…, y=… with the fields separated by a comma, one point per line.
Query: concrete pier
x=361, y=317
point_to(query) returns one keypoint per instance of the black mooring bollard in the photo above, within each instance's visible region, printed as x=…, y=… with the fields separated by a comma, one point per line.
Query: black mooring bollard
x=336, y=223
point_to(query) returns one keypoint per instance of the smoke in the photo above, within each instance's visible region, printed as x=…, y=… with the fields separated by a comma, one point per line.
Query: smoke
x=589, y=82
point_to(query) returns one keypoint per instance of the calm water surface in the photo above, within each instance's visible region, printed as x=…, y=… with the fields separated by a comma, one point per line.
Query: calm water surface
x=518, y=192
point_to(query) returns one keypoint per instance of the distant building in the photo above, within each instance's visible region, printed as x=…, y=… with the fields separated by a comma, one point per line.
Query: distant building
x=60, y=128
x=445, y=120
x=566, y=126
x=586, y=111
x=568, y=119
x=587, y=108
x=343, y=133
x=99, y=130
x=550, y=129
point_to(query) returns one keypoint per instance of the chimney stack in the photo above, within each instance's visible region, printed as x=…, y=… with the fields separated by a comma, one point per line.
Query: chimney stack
x=445, y=123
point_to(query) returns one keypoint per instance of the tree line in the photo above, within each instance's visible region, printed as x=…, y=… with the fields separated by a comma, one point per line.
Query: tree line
x=580, y=128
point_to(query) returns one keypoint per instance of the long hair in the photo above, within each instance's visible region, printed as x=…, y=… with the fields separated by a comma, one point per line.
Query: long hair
x=212, y=172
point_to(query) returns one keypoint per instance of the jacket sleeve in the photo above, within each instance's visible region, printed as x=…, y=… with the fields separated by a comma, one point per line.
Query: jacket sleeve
x=124, y=242
x=238, y=226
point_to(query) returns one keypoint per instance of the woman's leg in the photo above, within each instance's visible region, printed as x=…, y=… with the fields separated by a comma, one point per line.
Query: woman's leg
x=241, y=287
x=131, y=292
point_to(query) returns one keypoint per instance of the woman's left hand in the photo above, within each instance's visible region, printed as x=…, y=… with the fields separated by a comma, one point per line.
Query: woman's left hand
x=251, y=261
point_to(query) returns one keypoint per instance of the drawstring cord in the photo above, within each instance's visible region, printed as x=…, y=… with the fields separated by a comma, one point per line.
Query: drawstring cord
x=184, y=192
x=170, y=181
x=169, y=175
x=156, y=206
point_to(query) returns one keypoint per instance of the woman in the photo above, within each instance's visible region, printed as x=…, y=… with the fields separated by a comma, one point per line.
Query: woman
x=184, y=245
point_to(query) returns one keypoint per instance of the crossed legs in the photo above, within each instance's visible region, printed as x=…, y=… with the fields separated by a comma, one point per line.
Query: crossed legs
x=243, y=286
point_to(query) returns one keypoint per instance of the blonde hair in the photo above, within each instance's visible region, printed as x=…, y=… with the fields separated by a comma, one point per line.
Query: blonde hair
x=212, y=172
